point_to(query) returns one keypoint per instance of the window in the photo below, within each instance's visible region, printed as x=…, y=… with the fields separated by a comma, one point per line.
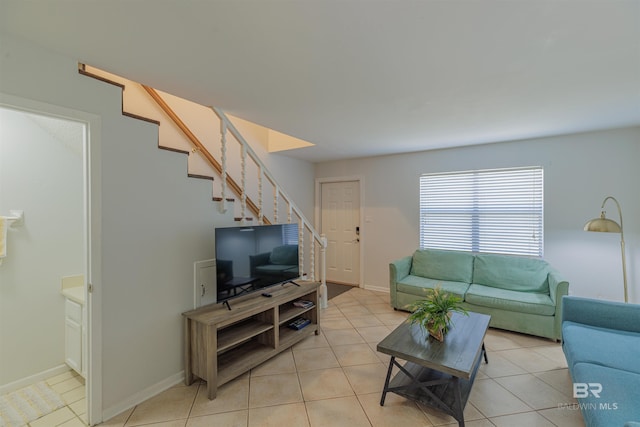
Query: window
x=290, y=234
x=495, y=211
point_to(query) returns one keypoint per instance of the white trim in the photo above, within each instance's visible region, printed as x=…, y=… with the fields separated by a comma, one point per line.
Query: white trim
x=40, y=376
x=377, y=289
x=93, y=227
x=317, y=214
x=143, y=395
x=94, y=270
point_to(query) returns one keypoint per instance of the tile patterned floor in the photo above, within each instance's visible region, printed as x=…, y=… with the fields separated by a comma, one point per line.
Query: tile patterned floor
x=335, y=379
x=71, y=387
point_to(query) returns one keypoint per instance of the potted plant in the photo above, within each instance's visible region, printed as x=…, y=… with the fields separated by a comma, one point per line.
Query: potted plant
x=434, y=312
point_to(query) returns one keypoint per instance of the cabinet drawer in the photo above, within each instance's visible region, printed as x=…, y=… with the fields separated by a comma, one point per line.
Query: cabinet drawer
x=73, y=311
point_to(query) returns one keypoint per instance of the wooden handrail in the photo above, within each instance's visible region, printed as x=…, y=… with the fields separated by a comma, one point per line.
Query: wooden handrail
x=200, y=147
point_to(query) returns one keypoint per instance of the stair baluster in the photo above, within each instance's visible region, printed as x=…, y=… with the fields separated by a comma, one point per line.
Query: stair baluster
x=275, y=203
x=223, y=155
x=301, y=227
x=312, y=261
x=260, y=179
x=243, y=183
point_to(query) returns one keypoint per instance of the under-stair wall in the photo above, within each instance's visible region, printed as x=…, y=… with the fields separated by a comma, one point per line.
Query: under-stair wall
x=219, y=147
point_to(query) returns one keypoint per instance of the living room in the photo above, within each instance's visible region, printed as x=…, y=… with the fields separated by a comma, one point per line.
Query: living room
x=135, y=270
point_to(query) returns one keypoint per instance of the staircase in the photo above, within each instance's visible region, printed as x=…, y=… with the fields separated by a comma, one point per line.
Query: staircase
x=217, y=151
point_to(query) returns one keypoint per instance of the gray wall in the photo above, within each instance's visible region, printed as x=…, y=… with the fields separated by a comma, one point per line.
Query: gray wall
x=580, y=170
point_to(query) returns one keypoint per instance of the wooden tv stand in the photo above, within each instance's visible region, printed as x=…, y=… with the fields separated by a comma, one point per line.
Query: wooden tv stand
x=221, y=344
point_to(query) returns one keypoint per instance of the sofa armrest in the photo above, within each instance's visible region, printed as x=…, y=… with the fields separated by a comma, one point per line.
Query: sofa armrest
x=398, y=270
x=258, y=260
x=558, y=288
x=600, y=313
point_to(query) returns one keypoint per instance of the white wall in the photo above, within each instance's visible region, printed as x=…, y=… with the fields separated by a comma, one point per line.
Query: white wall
x=44, y=177
x=580, y=170
x=155, y=222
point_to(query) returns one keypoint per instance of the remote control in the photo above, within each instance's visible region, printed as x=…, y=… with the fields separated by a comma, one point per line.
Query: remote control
x=264, y=294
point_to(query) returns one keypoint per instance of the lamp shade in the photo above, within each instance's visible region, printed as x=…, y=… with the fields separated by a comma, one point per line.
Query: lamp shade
x=602, y=224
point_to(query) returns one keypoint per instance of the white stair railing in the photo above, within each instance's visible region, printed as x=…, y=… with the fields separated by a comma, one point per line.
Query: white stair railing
x=292, y=209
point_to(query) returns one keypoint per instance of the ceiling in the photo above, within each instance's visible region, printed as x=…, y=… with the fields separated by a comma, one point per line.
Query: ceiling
x=366, y=77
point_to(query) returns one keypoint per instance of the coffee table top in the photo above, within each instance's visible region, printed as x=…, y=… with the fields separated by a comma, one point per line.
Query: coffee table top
x=456, y=355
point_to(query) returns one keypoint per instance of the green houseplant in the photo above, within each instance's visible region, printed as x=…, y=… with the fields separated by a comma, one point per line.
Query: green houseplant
x=434, y=312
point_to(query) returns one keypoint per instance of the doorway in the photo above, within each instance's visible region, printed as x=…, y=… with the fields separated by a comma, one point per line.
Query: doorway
x=340, y=222
x=44, y=167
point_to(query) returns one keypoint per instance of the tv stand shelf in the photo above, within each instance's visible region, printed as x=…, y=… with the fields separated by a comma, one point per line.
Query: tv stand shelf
x=221, y=344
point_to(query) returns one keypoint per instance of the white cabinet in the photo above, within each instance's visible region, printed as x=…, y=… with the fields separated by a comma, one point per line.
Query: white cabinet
x=74, y=336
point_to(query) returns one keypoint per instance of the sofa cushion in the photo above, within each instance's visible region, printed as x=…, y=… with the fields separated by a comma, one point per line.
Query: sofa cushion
x=608, y=347
x=617, y=403
x=523, y=302
x=415, y=285
x=452, y=266
x=283, y=255
x=511, y=272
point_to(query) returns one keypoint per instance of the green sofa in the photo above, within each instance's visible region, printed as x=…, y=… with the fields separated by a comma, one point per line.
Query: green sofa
x=281, y=263
x=601, y=341
x=520, y=294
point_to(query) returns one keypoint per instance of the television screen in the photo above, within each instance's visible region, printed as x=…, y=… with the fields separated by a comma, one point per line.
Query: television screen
x=251, y=258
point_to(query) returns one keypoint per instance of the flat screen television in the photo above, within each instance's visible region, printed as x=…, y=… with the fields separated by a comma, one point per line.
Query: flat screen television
x=252, y=258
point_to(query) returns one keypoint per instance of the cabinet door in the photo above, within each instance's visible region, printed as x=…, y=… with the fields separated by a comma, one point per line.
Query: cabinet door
x=73, y=345
x=73, y=335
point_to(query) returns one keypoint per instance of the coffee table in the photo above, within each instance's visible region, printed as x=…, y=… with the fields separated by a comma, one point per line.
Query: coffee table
x=438, y=374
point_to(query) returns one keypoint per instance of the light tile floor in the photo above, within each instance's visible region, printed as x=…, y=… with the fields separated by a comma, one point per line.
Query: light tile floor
x=71, y=387
x=336, y=378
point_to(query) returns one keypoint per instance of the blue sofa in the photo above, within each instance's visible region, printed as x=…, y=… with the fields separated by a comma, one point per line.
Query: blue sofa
x=521, y=294
x=601, y=341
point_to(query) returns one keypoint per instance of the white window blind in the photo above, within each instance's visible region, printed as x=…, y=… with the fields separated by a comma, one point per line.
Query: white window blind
x=290, y=234
x=494, y=211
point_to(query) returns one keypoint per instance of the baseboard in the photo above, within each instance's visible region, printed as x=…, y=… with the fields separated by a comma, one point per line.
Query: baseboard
x=32, y=379
x=143, y=395
x=377, y=288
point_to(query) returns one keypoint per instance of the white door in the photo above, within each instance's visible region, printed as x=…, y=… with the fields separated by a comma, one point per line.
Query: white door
x=340, y=203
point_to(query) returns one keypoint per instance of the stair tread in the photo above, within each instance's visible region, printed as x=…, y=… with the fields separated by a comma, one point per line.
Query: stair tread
x=194, y=175
x=175, y=150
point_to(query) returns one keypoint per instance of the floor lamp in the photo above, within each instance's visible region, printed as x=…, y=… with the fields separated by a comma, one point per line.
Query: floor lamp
x=606, y=225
